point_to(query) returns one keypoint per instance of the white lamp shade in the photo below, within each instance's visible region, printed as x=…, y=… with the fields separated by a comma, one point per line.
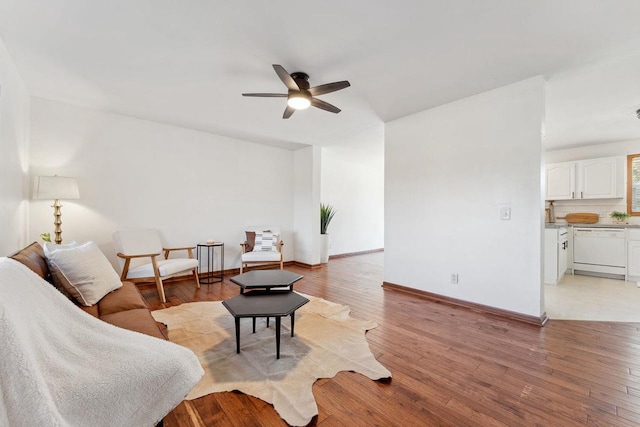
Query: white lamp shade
x=56, y=187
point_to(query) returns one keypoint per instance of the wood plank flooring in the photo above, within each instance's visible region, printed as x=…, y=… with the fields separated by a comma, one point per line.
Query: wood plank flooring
x=450, y=366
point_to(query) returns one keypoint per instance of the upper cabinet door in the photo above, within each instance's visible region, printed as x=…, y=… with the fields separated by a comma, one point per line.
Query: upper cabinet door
x=561, y=181
x=601, y=178
x=598, y=179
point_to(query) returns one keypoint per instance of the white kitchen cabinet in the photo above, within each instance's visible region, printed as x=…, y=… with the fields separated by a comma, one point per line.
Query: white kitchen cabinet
x=598, y=178
x=601, y=178
x=633, y=254
x=555, y=254
x=561, y=181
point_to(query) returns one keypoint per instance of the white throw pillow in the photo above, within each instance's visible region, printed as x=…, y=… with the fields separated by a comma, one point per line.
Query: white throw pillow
x=83, y=271
x=266, y=242
x=50, y=247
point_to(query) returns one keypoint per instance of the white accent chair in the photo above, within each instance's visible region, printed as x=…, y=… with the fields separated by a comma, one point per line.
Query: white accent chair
x=134, y=249
x=252, y=258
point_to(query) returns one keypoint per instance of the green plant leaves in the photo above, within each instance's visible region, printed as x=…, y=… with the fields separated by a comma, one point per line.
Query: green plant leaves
x=326, y=215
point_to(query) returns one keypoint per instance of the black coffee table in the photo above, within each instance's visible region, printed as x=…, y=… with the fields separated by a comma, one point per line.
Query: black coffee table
x=265, y=304
x=266, y=279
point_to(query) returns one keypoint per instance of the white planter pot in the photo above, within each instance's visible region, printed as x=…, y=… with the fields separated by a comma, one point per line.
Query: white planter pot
x=324, y=248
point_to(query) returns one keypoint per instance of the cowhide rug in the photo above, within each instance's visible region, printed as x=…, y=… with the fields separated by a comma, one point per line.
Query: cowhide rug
x=327, y=340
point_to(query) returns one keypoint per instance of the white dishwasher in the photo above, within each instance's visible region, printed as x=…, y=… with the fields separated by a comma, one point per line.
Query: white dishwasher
x=599, y=250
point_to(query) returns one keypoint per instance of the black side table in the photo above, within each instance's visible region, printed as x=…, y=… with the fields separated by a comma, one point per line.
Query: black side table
x=210, y=247
x=266, y=279
x=267, y=304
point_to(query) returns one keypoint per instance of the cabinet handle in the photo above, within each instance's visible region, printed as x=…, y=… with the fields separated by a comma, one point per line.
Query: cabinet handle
x=573, y=195
x=581, y=196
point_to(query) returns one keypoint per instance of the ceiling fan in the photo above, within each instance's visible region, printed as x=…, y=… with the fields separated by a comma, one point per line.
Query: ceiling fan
x=300, y=95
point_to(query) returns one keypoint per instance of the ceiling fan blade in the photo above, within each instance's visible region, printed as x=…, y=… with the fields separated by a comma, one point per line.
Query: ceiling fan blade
x=328, y=88
x=288, y=112
x=318, y=103
x=285, y=77
x=267, y=95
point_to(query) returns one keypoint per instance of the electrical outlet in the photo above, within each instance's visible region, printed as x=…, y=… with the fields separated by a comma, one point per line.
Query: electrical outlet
x=454, y=278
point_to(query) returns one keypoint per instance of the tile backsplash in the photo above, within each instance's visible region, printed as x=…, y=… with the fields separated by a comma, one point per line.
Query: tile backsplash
x=602, y=207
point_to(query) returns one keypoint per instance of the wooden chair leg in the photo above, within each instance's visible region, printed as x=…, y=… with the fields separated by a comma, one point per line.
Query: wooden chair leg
x=156, y=272
x=195, y=274
x=241, y=266
x=281, y=264
x=160, y=289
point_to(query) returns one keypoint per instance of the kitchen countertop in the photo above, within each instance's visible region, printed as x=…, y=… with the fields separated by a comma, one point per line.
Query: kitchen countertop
x=596, y=225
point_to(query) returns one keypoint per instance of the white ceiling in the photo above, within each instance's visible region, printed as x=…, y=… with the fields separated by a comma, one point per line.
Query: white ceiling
x=186, y=63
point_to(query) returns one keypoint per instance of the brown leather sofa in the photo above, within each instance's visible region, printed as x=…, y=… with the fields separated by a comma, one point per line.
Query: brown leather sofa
x=123, y=307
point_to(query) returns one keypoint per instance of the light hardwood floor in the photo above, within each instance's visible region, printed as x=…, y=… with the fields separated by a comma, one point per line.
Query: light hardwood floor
x=450, y=366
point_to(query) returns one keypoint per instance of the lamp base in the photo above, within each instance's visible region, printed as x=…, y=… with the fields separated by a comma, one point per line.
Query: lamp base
x=57, y=222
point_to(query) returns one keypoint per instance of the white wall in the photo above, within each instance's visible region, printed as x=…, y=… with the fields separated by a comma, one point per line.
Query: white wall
x=14, y=152
x=602, y=207
x=134, y=173
x=593, y=151
x=307, y=205
x=353, y=183
x=448, y=171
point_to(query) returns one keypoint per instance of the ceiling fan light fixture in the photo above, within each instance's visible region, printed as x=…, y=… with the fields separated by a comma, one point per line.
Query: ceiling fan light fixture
x=300, y=95
x=299, y=101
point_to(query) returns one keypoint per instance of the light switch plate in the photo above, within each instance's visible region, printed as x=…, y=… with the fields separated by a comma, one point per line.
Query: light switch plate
x=505, y=213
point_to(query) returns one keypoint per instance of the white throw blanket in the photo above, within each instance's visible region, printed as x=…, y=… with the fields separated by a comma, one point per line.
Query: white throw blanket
x=60, y=366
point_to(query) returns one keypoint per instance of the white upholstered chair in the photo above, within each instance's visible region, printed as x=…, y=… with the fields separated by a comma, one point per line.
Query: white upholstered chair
x=263, y=252
x=139, y=252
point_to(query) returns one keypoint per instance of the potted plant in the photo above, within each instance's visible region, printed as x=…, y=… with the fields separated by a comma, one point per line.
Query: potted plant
x=326, y=215
x=620, y=217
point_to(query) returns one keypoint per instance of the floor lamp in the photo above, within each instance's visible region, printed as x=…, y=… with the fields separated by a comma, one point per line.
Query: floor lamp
x=56, y=188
